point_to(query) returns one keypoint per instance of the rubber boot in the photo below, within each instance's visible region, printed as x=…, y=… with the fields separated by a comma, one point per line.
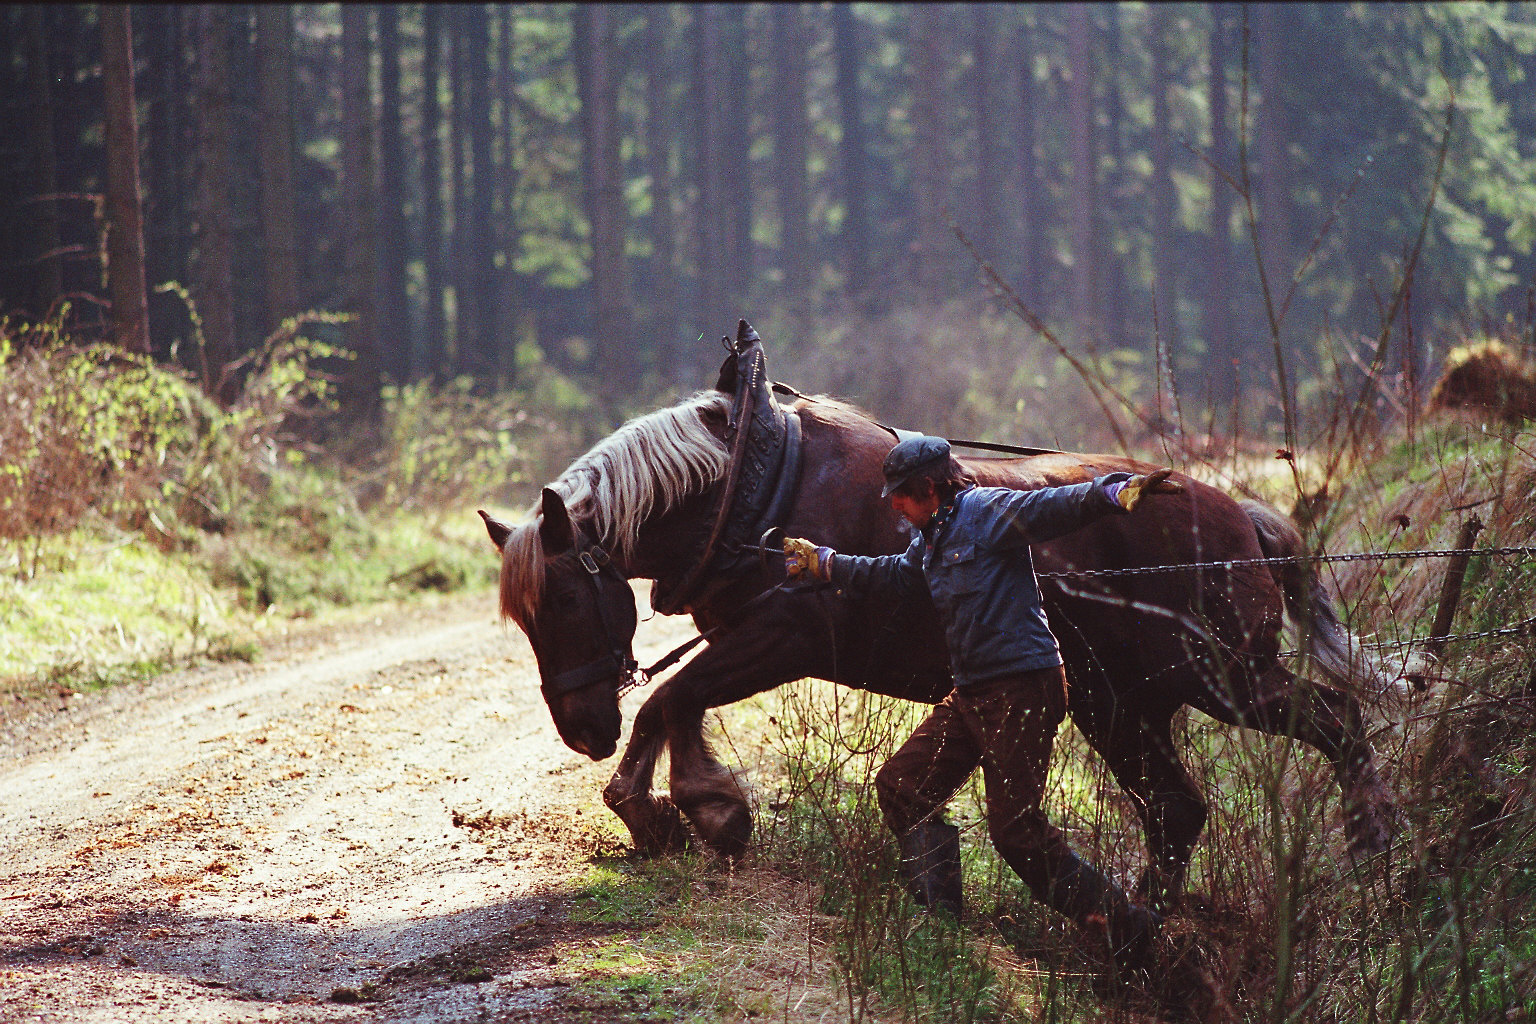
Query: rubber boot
x=1082, y=893
x=930, y=865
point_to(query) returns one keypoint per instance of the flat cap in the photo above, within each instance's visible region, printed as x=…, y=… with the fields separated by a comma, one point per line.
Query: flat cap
x=909, y=456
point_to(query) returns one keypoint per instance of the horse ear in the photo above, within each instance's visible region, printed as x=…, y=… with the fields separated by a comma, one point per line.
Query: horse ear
x=556, y=532
x=498, y=530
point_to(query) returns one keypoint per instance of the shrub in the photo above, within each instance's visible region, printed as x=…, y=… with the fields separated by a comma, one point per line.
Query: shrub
x=85, y=429
x=93, y=430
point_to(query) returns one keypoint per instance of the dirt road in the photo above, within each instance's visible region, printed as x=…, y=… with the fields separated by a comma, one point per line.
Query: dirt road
x=346, y=830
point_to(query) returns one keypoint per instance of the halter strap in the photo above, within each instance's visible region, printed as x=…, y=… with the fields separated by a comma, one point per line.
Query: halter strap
x=616, y=660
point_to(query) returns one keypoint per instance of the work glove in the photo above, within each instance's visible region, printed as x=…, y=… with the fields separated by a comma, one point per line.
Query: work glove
x=802, y=558
x=1155, y=482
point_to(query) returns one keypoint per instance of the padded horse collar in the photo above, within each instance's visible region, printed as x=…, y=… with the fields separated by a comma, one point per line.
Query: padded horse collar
x=761, y=480
x=617, y=660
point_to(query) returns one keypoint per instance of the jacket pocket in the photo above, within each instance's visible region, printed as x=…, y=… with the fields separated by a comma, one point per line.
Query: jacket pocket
x=961, y=570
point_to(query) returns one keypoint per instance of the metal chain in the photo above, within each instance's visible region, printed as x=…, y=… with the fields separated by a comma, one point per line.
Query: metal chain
x=1525, y=627
x=1362, y=556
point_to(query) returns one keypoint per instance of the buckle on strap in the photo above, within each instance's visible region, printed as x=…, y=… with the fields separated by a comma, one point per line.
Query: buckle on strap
x=594, y=559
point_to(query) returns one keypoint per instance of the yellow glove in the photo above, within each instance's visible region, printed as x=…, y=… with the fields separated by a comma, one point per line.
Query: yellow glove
x=802, y=558
x=1156, y=482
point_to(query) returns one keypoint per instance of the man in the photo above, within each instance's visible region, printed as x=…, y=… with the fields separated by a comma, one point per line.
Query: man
x=971, y=552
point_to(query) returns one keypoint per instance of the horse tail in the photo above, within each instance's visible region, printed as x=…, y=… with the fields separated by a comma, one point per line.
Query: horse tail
x=1338, y=653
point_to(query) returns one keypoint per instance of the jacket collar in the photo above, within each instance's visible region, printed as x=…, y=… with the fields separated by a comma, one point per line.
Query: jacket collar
x=942, y=518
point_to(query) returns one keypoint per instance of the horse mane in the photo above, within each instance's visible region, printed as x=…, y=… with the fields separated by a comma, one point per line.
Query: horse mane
x=647, y=466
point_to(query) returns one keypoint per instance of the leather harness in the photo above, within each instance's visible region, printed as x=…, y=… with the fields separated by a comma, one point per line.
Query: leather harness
x=618, y=659
x=760, y=483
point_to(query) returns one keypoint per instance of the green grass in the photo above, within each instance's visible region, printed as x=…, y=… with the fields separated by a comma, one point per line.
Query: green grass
x=104, y=607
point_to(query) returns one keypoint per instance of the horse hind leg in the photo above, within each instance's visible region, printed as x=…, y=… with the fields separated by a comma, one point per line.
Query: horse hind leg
x=1330, y=721
x=1141, y=756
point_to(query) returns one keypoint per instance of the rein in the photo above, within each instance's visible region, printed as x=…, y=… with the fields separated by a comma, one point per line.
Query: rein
x=899, y=434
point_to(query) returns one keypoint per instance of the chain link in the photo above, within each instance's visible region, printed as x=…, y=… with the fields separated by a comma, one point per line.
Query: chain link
x=1362, y=556
x=1528, y=628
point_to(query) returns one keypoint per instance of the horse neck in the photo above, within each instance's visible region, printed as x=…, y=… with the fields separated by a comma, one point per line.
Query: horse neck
x=668, y=544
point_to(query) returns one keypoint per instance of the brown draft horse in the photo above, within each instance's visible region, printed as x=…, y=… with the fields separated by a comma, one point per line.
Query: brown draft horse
x=1137, y=647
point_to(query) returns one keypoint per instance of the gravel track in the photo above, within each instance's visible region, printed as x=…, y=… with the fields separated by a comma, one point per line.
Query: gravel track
x=376, y=821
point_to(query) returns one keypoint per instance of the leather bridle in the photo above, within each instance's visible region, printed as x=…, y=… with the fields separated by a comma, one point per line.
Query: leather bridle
x=617, y=660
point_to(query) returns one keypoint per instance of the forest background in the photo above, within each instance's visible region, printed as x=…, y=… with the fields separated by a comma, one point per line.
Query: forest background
x=287, y=291
x=577, y=201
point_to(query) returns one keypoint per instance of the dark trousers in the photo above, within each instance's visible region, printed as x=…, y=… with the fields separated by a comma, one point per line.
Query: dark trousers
x=1007, y=726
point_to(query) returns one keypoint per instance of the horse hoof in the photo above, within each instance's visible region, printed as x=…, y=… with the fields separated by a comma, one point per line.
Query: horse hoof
x=725, y=825
x=1369, y=833
x=1159, y=890
x=655, y=824
x=1369, y=828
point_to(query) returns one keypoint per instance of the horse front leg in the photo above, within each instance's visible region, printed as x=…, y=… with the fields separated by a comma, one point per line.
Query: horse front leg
x=654, y=822
x=759, y=655
x=715, y=798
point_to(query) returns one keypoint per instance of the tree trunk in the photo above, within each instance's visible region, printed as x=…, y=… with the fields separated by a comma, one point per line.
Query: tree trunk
x=478, y=344
x=1273, y=186
x=1164, y=259
x=433, y=356
x=1084, y=201
x=1036, y=209
x=394, y=334
x=930, y=163
x=458, y=277
x=986, y=217
x=596, y=68
x=507, y=327
x=125, y=218
x=708, y=104
x=736, y=168
x=167, y=176
x=1114, y=294
x=1219, y=336
x=853, y=151
x=667, y=318
x=214, y=268
x=791, y=130
x=274, y=29
x=45, y=161
x=359, y=393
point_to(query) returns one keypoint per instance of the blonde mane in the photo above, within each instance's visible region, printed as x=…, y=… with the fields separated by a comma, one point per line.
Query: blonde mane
x=646, y=467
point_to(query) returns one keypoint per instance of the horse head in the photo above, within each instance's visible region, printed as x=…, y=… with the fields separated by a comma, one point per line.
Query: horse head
x=579, y=616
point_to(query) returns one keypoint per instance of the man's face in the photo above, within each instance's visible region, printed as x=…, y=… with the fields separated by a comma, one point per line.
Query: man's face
x=914, y=509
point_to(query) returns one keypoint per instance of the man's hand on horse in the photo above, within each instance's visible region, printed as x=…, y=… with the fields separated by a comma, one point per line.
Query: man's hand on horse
x=803, y=559
x=1155, y=482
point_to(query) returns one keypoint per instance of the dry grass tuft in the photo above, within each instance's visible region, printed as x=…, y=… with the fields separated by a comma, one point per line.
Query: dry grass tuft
x=1487, y=378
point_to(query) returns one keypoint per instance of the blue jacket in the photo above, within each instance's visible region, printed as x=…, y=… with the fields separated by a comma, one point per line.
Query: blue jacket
x=976, y=564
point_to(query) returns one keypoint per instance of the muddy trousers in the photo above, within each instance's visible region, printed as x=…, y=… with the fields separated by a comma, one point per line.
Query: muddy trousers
x=1007, y=727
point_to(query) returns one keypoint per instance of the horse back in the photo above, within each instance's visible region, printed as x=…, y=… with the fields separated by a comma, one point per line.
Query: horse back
x=1239, y=607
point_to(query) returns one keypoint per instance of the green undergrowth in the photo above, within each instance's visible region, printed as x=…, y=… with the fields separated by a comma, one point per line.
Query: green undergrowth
x=694, y=939
x=101, y=607
x=148, y=518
